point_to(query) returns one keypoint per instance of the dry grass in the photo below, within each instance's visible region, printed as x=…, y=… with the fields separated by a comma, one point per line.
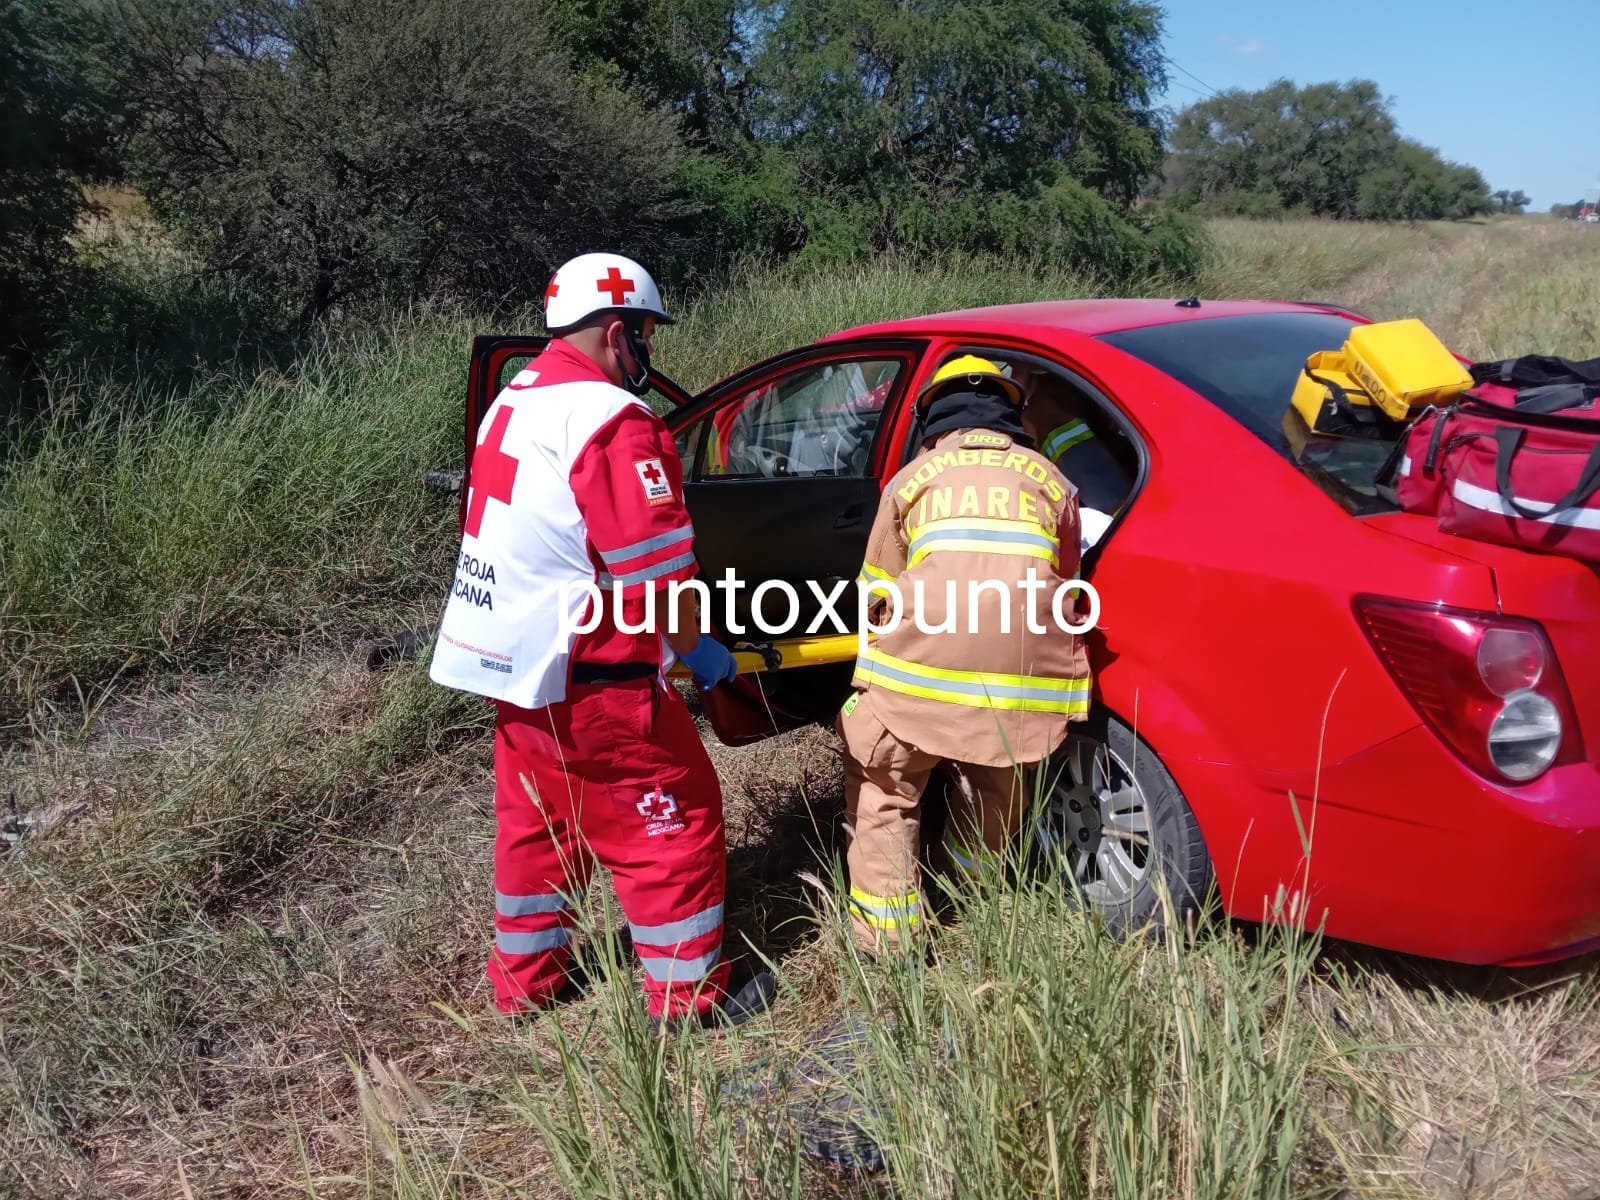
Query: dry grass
x=1493, y=1083
x=1493, y=289
x=312, y=1020
x=247, y=960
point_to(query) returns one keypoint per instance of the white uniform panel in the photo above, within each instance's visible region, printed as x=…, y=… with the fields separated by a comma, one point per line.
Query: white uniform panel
x=518, y=583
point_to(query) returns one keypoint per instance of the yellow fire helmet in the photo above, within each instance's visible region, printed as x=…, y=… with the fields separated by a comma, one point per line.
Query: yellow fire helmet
x=971, y=370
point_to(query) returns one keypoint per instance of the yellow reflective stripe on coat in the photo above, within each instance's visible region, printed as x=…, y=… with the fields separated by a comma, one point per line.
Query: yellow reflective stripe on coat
x=886, y=912
x=1064, y=437
x=983, y=535
x=976, y=689
x=870, y=573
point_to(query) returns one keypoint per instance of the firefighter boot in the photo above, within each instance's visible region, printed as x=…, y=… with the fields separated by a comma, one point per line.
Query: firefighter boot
x=750, y=998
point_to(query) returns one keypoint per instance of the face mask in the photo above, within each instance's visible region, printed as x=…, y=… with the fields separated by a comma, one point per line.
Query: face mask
x=639, y=349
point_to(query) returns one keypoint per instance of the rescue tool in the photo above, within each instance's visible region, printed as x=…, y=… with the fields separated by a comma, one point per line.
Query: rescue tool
x=758, y=657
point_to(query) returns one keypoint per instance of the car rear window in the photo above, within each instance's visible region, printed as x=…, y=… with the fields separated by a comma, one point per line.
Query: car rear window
x=1248, y=367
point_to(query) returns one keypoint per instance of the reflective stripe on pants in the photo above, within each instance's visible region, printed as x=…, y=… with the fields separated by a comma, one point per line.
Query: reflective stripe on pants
x=884, y=780
x=616, y=773
x=886, y=912
x=662, y=948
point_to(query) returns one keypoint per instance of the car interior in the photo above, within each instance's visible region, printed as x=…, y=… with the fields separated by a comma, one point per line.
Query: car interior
x=1105, y=467
x=813, y=422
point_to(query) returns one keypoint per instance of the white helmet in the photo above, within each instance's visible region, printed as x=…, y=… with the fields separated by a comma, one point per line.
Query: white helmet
x=598, y=283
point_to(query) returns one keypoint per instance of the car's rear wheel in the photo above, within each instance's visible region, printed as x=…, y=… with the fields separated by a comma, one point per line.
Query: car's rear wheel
x=1122, y=830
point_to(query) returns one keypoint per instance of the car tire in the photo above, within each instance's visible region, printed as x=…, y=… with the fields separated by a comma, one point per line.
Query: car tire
x=1126, y=869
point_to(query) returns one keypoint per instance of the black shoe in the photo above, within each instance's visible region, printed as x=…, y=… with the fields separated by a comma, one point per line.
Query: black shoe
x=755, y=996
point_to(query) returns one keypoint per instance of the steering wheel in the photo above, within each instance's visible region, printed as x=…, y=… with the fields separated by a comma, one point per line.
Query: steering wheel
x=847, y=444
x=763, y=460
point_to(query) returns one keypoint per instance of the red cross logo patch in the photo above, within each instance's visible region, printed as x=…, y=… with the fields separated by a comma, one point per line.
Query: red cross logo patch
x=654, y=481
x=494, y=473
x=660, y=811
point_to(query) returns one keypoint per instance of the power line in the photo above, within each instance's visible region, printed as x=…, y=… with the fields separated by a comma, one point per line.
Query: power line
x=1193, y=91
x=1169, y=61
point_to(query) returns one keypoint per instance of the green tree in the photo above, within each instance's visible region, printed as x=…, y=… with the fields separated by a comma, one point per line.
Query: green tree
x=1511, y=202
x=693, y=58
x=345, y=149
x=909, y=123
x=1325, y=149
x=60, y=110
x=1287, y=147
x=1415, y=184
x=689, y=56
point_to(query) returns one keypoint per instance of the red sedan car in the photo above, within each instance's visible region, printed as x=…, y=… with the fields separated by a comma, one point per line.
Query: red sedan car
x=1305, y=699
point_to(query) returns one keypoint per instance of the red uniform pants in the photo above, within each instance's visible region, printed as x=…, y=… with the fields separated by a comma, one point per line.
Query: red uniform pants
x=615, y=773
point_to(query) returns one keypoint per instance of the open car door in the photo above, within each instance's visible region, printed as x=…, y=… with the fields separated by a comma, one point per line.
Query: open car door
x=783, y=467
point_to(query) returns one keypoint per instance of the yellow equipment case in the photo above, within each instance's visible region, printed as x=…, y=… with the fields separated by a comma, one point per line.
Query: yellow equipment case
x=1402, y=366
x=1383, y=373
x=1325, y=393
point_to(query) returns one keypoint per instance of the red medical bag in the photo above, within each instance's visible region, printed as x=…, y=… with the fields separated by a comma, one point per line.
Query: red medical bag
x=1514, y=461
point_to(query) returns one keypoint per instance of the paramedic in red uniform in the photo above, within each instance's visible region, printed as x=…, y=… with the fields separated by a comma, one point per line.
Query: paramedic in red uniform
x=575, y=493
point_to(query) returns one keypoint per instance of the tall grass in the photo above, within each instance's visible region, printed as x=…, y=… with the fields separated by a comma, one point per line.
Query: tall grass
x=132, y=957
x=276, y=503
x=1492, y=289
x=1030, y=1055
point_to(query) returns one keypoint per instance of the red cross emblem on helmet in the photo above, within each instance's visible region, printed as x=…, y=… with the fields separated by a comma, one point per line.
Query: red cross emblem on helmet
x=597, y=283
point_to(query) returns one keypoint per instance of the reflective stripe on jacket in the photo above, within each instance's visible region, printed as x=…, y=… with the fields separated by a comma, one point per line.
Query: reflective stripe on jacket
x=974, y=670
x=1063, y=438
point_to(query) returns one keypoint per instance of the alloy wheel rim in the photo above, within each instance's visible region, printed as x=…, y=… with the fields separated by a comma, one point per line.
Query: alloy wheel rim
x=1099, y=815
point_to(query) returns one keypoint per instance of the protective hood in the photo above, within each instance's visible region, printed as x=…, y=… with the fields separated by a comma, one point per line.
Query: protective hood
x=975, y=408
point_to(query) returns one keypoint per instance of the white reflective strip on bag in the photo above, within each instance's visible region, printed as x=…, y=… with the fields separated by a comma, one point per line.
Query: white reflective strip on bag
x=1484, y=500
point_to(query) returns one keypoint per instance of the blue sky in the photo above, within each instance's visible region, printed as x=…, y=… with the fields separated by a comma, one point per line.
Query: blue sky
x=1510, y=88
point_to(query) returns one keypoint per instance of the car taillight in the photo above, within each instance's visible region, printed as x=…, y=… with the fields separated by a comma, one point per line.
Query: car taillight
x=1489, y=685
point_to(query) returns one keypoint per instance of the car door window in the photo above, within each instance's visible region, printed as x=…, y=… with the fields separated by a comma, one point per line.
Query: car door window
x=819, y=420
x=689, y=440
x=1070, y=427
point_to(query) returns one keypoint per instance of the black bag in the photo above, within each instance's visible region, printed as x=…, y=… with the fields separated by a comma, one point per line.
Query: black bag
x=1543, y=382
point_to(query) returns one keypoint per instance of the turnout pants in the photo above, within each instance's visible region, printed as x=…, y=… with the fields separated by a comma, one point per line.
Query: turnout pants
x=884, y=781
x=615, y=773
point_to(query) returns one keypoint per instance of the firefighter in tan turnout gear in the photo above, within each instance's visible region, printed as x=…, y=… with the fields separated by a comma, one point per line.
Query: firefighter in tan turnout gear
x=976, y=535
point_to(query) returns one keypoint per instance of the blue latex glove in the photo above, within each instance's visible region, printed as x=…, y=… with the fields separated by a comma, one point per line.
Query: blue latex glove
x=710, y=662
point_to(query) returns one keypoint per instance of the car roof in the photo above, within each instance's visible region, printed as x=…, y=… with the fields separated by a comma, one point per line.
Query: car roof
x=1087, y=317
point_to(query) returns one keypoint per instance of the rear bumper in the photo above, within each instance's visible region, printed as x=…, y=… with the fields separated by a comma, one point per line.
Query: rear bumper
x=1410, y=851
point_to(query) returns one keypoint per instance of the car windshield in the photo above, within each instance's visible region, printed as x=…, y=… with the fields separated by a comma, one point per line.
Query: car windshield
x=1248, y=367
